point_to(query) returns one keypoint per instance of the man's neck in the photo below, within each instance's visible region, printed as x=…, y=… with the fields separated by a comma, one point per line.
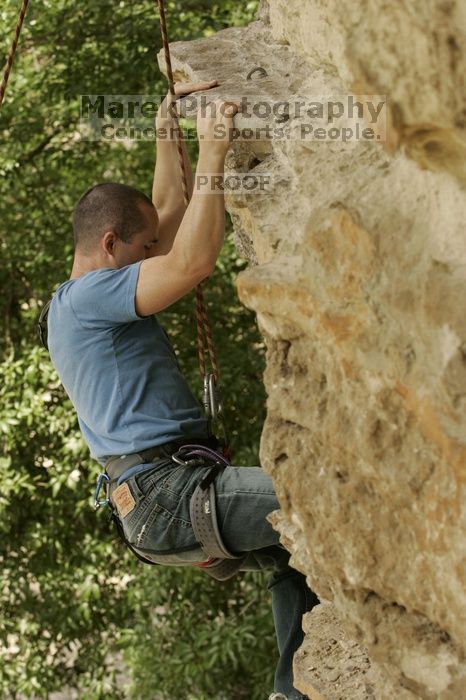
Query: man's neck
x=82, y=265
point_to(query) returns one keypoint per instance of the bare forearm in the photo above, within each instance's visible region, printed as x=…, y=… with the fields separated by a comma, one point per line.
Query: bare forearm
x=200, y=236
x=167, y=191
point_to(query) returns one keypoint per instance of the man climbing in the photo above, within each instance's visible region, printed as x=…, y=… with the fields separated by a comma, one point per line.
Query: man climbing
x=133, y=258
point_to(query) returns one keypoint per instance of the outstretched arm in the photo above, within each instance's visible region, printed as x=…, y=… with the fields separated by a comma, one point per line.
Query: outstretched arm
x=163, y=279
x=167, y=191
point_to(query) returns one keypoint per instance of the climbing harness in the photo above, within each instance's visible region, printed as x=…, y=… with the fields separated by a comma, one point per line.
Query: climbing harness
x=219, y=562
x=116, y=466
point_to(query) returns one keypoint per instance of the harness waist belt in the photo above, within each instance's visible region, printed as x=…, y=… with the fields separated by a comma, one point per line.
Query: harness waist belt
x=117, y=465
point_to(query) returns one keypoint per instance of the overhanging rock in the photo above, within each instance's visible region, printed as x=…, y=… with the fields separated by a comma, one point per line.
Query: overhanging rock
x=358, y=280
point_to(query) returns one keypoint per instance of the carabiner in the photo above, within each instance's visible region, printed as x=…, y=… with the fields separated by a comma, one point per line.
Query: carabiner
x=213, y=406
x=186, y=462
x=212, y=398
x=102, y=477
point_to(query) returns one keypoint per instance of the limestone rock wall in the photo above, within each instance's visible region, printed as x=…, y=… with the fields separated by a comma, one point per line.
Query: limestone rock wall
x=357, y=276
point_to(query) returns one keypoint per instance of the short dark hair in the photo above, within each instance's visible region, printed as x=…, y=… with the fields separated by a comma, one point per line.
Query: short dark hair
x=108, y=206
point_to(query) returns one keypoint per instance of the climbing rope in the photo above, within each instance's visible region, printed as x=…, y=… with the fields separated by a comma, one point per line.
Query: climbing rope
x=212, y=398
x=12, y=51
x=204, y=334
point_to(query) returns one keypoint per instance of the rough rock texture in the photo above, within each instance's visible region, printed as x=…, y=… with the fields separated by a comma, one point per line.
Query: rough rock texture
x=358, y=261
x=331, y=665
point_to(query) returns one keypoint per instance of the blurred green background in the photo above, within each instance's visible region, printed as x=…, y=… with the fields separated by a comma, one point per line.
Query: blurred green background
x=78, y=610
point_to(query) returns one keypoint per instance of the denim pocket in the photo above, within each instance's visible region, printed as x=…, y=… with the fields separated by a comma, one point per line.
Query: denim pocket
x=146, y=487
x=161, y=523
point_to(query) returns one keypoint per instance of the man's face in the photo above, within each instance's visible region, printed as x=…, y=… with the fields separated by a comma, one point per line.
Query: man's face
x=143, y=245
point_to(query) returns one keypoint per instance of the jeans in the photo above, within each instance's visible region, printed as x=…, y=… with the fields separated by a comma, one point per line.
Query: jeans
x=159, y=525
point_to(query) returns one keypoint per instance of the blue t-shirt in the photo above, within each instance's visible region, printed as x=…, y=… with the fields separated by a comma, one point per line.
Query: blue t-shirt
x=119, y=369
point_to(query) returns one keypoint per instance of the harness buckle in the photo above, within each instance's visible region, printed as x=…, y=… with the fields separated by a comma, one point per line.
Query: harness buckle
x=105, y=502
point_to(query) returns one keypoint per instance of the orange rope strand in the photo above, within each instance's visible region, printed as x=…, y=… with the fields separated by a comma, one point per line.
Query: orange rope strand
x=12, y=51
x=203, y=327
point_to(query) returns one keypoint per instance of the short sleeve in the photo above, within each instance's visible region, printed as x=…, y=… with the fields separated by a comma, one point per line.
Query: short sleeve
x=106, y=296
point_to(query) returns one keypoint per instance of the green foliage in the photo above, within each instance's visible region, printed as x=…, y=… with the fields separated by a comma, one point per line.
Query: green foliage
x=72, y=597
x=214, y=640
x=59, y=565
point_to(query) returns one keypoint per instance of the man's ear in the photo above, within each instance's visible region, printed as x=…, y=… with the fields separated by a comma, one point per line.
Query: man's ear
x=108, y=243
